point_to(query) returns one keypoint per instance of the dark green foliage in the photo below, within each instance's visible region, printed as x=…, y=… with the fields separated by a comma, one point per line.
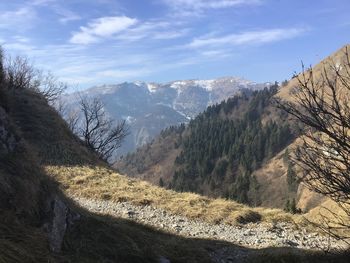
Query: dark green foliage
x=161, y=182
x=286, y=158
x=292, y=179
x=221, y=167
x=226, y=143
x=254, y=191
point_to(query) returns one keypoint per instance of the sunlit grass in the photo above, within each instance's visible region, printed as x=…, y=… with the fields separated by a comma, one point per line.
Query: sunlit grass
x=104, y=184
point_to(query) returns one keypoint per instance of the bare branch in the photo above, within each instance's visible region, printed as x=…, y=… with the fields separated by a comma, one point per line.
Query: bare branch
x=321, y=103
x=99, y=132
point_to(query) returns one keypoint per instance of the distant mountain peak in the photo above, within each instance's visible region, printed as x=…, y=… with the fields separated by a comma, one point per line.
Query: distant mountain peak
x=150, y=107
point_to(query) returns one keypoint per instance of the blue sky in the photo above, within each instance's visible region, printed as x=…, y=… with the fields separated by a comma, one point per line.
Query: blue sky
x=90, y=42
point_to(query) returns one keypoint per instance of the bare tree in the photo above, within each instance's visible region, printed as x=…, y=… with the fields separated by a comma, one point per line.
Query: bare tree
x=21, y=74
x=72, y=118
x=51, y=88
x=321, y=103
x=99, y=132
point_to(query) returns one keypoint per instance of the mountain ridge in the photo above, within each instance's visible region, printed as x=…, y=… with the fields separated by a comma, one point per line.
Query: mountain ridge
x=149, y=107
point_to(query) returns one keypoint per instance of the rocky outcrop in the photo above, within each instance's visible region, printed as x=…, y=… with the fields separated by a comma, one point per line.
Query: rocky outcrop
x=58, y=225
x=59, y=218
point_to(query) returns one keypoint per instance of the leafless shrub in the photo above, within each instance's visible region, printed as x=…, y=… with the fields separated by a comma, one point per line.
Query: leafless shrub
x=19, y=73
x=322, y=104
x=51, y=88
x=98, y=131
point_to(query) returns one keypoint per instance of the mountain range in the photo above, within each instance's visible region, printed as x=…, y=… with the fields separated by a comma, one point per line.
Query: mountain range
x=149, y=108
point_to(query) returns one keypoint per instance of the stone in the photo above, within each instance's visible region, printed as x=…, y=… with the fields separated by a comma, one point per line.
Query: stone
x=291, y=243
x=59, y=225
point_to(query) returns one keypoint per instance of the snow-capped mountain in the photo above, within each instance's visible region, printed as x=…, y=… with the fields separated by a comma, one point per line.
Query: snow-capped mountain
x=151, y=107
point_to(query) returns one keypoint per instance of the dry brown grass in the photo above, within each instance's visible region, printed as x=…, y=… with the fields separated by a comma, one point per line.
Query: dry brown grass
x=102, y=183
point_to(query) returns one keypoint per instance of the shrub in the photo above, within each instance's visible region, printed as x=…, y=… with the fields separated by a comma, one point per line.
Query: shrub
x=248, y=217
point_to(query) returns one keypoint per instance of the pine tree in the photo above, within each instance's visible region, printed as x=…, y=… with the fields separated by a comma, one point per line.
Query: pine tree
x=287, y=206
x=291, y=179
x=161, y=183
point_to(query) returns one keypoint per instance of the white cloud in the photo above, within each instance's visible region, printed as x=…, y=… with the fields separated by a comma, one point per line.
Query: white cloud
x=250, y=37
x=66, y=15
x=196, y=7
x=21, y=39
x=103, y=27
x=41, y=2
x=171, y=34
x=207, y=4
x=124, y=74
x=159, y=30
x=18, y=47
x=20, y=18
x=127, y=29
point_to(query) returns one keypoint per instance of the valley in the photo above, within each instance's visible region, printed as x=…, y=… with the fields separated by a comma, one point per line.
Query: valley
x=174, y=131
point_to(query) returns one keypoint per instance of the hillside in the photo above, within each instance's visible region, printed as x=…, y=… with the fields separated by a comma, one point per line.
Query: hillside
x=151, y=107
x=38, y=222
x=218, y=152
x=337, y=58
x=214, y=142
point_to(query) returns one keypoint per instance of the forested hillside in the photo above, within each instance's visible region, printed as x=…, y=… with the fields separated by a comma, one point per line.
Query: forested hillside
x=219, y=150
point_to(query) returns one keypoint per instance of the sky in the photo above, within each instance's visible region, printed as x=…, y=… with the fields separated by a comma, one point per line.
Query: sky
x=94, y=42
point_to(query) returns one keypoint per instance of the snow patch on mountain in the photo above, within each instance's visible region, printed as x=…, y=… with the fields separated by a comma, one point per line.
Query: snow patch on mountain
x=149, y=107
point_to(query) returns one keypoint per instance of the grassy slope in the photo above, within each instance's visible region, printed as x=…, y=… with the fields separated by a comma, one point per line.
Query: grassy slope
x=274, y=191
x=104, y=184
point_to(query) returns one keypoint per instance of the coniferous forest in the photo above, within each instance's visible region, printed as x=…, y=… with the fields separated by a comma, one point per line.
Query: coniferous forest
x=220, y=153
x=220, y=149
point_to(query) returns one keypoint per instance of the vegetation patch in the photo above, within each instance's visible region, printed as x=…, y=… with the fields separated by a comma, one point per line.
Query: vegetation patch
x=249, y=217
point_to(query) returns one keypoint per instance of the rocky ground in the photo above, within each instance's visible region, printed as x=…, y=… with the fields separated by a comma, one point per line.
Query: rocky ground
x=257, y=235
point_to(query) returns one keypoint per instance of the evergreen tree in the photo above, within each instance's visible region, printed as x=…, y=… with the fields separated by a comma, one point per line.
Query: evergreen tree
x=291, y=179
x=161, y=183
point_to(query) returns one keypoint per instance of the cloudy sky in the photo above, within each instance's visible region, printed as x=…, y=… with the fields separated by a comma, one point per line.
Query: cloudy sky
x=90, y=42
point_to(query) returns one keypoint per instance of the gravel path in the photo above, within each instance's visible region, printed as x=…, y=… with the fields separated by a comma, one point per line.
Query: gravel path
x=251, y=235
